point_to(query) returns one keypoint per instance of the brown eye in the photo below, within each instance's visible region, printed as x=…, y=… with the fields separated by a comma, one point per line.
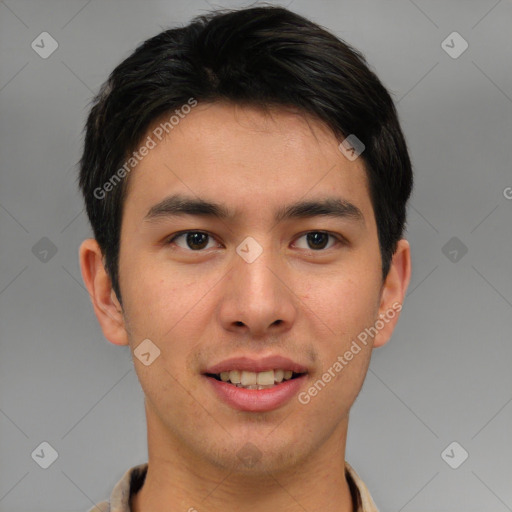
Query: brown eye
x=318, y=240
x=194, y=240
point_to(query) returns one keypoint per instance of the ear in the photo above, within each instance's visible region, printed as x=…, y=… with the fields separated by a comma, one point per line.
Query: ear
x=393, y=293
x=106, y=306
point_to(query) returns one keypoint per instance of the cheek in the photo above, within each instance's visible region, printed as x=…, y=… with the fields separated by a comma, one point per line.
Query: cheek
x=150, y=300
x=171, y=309
x=345, y=304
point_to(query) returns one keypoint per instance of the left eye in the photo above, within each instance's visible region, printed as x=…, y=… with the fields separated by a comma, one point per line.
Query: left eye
x=198, y=240
x=318, y=240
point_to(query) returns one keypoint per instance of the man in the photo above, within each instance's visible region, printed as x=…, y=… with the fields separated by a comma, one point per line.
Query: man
x=246, y=180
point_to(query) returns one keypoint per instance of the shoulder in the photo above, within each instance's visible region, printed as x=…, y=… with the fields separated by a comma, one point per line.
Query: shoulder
x=104, y=506
x=362, y=497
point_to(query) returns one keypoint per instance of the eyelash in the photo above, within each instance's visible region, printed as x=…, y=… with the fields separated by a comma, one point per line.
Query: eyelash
x=339, y=239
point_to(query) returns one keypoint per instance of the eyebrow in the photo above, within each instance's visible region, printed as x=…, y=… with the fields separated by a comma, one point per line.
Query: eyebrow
x=179, y=205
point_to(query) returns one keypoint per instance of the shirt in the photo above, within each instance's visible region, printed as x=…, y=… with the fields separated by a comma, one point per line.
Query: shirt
x=133, y=479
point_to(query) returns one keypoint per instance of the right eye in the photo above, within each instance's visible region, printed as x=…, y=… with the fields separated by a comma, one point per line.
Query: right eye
x=194, y=240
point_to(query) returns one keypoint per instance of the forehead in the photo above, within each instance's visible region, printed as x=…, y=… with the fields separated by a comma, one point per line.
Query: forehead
x=248, y=157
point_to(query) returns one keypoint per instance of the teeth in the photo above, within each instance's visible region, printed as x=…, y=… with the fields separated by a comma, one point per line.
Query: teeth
x=278, y=375
x=265, y=377
x=248, y=378
x=256, y=380
x=234, y=376
x=255, y=386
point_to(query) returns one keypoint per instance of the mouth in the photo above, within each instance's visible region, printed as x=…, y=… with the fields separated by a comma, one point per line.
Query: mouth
x=255, y=380
x=256, y=384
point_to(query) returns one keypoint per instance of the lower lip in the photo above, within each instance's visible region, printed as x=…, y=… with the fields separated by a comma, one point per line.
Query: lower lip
x=257, y=400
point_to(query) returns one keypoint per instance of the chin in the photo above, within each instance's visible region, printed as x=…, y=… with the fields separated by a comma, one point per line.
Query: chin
x=260, y=458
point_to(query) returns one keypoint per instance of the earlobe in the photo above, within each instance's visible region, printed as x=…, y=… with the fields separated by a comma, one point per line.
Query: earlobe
x=98, y=283
x=393, y=292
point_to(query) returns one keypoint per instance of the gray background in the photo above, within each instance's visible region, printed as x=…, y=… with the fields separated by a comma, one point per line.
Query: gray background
x=445, y=376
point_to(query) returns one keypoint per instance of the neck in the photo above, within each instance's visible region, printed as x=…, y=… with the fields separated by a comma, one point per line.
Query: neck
x=178, y=480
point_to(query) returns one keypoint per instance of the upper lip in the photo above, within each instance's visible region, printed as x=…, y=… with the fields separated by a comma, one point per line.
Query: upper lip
x=256, y=364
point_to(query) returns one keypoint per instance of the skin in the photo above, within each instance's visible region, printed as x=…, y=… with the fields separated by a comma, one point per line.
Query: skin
x=201, y=307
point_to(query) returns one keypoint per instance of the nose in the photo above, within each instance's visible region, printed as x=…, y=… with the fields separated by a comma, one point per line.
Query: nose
x=257, y=298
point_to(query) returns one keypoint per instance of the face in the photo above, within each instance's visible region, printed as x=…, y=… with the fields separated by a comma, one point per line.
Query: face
x=251, y=286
